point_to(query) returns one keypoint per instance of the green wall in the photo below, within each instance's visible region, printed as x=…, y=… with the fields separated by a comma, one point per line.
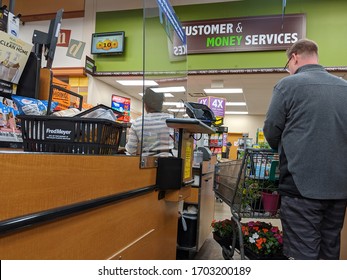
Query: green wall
x=326, y=23
x=132, y=23
x=156, y=43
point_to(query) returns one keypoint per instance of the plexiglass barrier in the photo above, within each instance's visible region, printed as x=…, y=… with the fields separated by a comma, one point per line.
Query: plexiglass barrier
x=164, y=80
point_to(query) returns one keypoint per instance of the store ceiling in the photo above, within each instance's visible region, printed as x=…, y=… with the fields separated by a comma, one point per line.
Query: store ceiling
x=257, y=89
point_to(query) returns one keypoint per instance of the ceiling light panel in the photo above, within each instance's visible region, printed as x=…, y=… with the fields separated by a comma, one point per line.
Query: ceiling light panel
x=235, y=104
x=169, y=89
x=236, y=113
x=177, y=104
x=166, y=94
x=177, y=110
x=222, y=90
x=137, y=82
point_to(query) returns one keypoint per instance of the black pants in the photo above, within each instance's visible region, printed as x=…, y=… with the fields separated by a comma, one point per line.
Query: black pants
x=311, y=228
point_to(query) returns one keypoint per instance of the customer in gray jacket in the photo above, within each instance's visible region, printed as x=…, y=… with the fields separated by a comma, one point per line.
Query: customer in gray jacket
x=307, y=123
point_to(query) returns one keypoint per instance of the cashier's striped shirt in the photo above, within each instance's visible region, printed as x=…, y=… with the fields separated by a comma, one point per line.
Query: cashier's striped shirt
x=157, y=136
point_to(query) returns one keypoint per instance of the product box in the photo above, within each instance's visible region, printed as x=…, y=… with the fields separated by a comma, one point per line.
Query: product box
x=13, y=25
x=9, y=124
x=14, y=54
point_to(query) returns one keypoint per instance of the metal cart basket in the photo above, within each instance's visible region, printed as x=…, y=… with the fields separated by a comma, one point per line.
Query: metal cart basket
x=249, y=187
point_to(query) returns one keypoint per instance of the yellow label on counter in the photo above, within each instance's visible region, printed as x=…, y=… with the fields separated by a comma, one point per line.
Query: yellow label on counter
x=188, y=161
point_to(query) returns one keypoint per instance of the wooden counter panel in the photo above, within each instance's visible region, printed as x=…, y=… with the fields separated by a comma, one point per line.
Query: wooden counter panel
x=137, y=228
x=37, y=182
x=178, y=195
x=206, y=209
x=194, y=196
x=209, y=166
x=343, y=253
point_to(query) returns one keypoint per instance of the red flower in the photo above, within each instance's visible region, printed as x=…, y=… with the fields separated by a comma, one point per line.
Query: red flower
x=262, y=238
x=222, y=228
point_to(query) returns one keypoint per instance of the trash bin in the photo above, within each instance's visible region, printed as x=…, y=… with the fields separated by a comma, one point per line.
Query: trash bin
x=187, y=229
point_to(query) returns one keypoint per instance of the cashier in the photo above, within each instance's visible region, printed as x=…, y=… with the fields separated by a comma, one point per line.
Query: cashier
x=157, y=136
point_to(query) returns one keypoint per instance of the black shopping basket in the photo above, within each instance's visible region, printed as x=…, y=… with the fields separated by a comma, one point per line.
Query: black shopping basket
x=75, y=135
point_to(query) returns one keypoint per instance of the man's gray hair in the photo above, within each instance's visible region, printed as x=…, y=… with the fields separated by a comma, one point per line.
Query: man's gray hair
x=303, y=46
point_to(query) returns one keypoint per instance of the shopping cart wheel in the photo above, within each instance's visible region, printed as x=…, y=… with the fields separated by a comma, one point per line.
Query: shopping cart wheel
x=227, y=253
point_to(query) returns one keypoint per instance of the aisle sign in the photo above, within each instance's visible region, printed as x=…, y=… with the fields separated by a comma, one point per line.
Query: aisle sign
x=216, y=104
x=89, y=66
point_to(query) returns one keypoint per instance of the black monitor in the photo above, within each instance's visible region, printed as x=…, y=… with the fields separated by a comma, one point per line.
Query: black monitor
x=108, y=43
x=52, y=39
x=29, y=82
x=201, y=112
x=48, y=41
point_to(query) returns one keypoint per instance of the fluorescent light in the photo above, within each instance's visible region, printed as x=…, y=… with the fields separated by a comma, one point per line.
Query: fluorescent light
x=176, y=110
x=166, y=94
x=235, y=104
x=169, y=89
x=137, y=82
x=177, y=104
x=222, y=90
x=236, y=113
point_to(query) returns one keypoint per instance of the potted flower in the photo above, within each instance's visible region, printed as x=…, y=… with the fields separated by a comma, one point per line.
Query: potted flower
x=262, y=240
x=270, y=197
x=222, y=232
x=250, y=195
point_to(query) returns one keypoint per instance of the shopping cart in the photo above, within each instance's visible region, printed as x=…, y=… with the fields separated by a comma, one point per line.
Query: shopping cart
x=249, y=187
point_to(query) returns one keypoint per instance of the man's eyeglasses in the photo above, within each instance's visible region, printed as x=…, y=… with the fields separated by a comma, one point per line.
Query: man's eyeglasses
x=286, y=66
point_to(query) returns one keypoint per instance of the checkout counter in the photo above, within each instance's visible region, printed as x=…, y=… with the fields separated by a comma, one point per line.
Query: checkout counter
x=81, y=206
x=67, y=206
x=343, y=254
x=97, y=207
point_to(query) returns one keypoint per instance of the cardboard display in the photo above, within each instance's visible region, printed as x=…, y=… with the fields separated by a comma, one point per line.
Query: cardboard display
x=14, y=54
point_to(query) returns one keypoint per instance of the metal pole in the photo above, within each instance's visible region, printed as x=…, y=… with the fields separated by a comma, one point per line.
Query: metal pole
x=12, y=4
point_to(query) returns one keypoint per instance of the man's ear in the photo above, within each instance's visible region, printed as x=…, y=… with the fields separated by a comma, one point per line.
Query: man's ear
x=295, y=58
